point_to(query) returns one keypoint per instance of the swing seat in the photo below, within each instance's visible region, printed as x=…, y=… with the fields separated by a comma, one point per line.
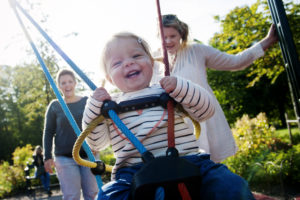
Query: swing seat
x=166, y=172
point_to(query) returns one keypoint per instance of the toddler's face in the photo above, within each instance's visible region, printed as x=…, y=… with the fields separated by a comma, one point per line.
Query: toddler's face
x=128, y=65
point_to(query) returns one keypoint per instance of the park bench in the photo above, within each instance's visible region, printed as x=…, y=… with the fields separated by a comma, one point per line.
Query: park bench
x=31, y=188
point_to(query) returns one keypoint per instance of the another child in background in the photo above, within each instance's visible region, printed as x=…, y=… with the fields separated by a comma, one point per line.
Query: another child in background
x=128, y=65
x=40, y=171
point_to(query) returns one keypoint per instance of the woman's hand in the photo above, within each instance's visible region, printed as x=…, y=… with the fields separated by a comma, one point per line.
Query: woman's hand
x=270, y=39
x=168, y=83
x=48, y=165
x=100, y=94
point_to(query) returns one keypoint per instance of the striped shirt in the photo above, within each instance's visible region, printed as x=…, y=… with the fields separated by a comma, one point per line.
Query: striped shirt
x=149, y=125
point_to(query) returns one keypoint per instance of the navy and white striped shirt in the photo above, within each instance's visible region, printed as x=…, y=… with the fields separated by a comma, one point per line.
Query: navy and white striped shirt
x=150, y=125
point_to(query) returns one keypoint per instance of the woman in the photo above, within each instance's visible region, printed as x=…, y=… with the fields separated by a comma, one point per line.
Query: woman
x=72, y=177
x=190, y=62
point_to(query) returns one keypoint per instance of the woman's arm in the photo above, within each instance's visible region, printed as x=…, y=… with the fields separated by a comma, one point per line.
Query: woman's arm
x=48, y=134
x=49, y=131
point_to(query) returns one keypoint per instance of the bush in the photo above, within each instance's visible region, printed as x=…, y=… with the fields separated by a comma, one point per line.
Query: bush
x=262, y=159
x=12, y=177
x=253, y=137
x=295, y=164
x=23, y=155
x=107, y=156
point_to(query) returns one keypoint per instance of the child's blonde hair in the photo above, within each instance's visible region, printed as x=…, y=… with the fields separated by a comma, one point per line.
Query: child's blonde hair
x=123, y=35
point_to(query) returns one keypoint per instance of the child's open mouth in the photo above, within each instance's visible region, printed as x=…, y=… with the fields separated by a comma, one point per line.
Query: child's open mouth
x=133, y=74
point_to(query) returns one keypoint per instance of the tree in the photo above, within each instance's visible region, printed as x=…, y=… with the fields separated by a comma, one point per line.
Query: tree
x=23, y=104
x=262, y=86
x=6, y=103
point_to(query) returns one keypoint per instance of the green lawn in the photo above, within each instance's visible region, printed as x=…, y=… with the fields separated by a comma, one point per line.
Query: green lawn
x=283, y=134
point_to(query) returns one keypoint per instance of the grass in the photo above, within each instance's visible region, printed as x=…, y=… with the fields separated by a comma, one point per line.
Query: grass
x=283, y=134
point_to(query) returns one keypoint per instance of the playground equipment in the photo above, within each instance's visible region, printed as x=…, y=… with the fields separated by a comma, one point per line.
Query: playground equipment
x=147, y=181
x=289, y=52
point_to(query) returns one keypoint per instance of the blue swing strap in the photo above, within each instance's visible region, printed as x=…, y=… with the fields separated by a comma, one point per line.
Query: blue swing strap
x=55, y=89
x=161, y=177
x=111, y=109
x=146, y=155
x=14, y=4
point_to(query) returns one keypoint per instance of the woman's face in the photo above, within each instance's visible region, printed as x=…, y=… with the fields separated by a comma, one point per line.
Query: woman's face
x=172, y=39
x=67, y=85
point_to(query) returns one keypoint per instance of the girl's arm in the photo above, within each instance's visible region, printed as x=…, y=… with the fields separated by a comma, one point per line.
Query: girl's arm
x=223, y=61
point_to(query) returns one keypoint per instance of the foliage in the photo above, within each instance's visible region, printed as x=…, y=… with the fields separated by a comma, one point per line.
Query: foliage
x=107, y=156
x=25, y=93
x=295, y=163
x=238, y=92
x=283, y=134
x=24, y=107
x=12, y=177
x=252, y=137
x=262, y=159
x=22, y=156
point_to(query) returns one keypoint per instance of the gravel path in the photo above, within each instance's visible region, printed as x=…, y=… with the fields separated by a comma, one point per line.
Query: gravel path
x=57, y=195
x=39, y=195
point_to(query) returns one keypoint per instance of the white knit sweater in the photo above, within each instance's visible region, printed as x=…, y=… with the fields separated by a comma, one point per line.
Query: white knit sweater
x=216, y=137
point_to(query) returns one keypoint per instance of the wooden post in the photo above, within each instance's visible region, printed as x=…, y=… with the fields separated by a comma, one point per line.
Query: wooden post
x=289, y=127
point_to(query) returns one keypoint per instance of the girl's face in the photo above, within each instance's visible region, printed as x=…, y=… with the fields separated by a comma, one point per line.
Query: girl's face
x=67, y=85
x=128, y=65
x=172, y=39
x=39, y=151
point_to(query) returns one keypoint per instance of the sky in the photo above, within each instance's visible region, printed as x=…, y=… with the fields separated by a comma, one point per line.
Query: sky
x=94, y=21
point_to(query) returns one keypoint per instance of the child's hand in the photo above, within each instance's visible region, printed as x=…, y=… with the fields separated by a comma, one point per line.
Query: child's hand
x=168, y=83
x=100, y=94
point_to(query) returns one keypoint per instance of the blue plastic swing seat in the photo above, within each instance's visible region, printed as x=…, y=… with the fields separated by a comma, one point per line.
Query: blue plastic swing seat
x=166, y=172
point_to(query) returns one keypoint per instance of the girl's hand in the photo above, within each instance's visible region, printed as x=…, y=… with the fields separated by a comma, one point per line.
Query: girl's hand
x=100, y=94
x=168, y=83
x=270, y=39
